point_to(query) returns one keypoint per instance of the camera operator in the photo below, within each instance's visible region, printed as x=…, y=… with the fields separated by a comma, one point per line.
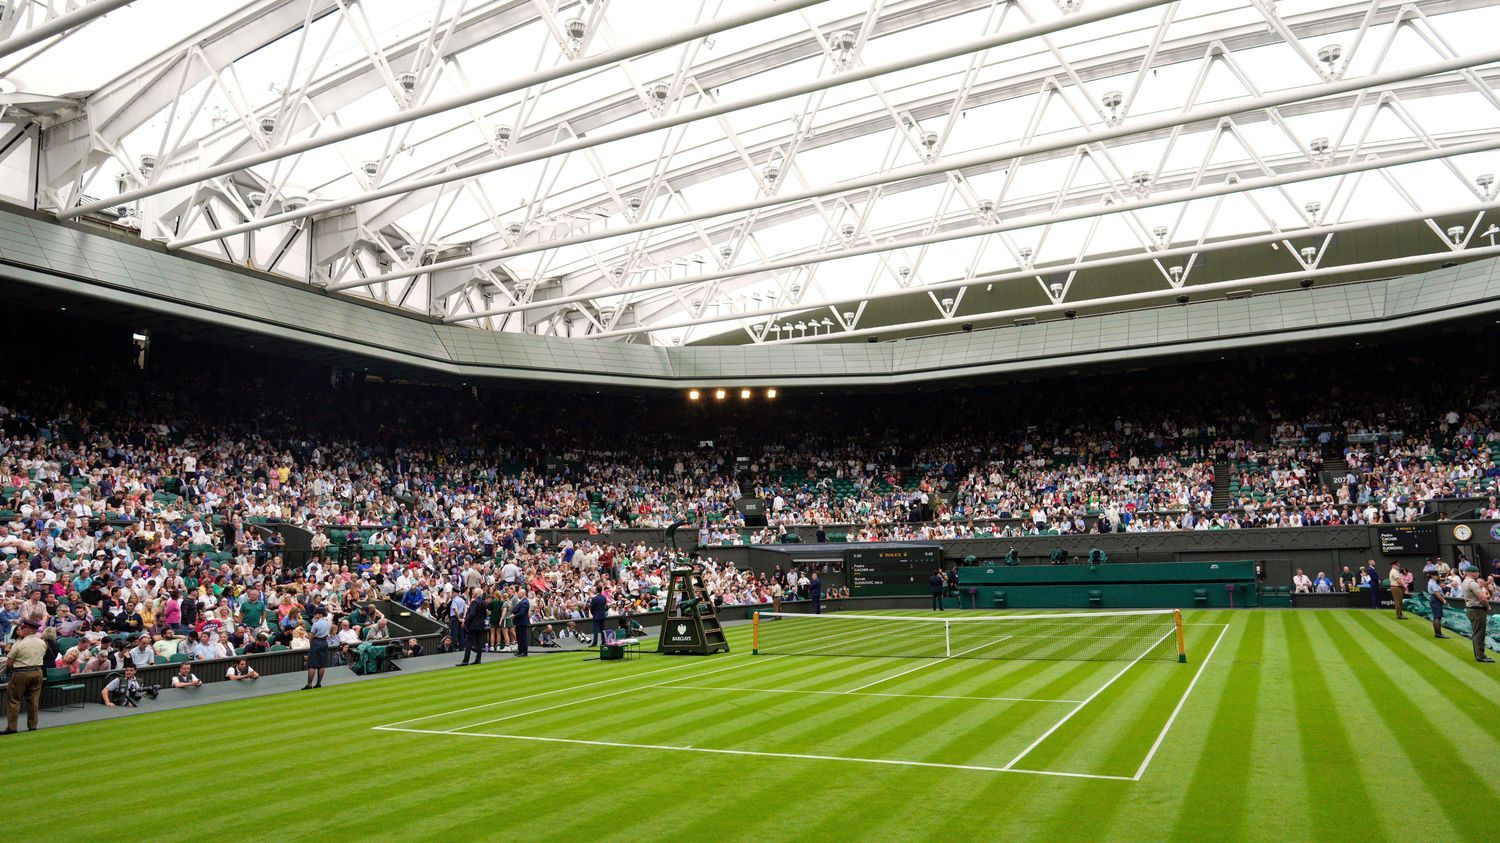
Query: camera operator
x=126, y=690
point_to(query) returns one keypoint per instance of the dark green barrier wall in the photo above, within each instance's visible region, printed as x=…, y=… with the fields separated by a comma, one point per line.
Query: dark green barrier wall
x=1181, y=585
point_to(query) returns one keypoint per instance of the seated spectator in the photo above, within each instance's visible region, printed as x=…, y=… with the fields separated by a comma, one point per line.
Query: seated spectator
x=1301, y=583
x=185, y=678
x=241, y=671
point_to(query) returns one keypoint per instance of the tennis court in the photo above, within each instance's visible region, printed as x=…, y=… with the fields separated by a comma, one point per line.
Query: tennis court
x=1087, y=695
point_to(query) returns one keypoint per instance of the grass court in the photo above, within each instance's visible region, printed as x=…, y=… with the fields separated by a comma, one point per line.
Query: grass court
x=1285, y=725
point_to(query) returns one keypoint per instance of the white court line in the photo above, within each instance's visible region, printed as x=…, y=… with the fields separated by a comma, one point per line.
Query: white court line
x=1159, y=738
x=756, y=754
x=661, y=684
x=871, y=694
x=921, y=666
x=598, y=697
x=1087, y=700
x=570, y=688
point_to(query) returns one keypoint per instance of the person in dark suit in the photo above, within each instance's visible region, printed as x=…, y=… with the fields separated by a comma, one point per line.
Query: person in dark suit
x=522, y=615
x=473, y=620
x=598, y=610
x=1373, y=574
x=938, y=585
x=815, y=592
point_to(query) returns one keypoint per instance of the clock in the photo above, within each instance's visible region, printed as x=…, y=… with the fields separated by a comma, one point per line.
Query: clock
x=1463, y=532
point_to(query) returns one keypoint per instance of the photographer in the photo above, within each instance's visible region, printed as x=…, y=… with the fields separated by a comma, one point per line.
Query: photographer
x=126, y=690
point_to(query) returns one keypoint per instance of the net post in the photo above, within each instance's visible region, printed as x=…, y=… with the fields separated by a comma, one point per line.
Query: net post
x=1181, y=647
x=947, y=640
x=755, y=634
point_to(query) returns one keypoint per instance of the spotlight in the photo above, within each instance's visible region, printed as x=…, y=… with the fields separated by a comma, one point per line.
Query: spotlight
x=771, y=393
x=873, y=339
x=1070, y=314
x=719, y=394
x=745, y=394
x=1305, y=283
x=1182, y=299
x=967, y=326
x=693, y=395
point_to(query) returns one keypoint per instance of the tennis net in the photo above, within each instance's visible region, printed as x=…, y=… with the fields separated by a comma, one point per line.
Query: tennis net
x=1082, y=636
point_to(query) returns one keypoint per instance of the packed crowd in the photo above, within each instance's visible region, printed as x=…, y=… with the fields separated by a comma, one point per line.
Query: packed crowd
x=147, y=499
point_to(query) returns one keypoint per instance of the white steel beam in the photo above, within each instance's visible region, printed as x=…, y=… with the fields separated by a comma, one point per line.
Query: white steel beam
x=961, y=162
x=579, y=65
x=843, y=78
x=983, y=158
x=1149, y=295
x=1031, y=273
x=60, y=24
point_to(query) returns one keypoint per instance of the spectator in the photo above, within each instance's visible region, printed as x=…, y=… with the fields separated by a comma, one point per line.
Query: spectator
x=185, y=678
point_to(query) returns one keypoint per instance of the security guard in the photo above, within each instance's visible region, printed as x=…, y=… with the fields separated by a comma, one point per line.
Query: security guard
x=1477, y=606
x=26, y=674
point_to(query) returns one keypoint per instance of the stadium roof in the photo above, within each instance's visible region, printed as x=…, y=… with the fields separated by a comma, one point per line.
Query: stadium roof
x=765, y=172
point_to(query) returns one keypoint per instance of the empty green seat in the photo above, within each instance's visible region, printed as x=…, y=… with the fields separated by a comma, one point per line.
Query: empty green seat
x=1096, y=597
x=60, y=681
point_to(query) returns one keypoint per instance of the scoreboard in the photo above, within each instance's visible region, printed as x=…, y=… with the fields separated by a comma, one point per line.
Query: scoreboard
x=1408, y=539
x=890, y=570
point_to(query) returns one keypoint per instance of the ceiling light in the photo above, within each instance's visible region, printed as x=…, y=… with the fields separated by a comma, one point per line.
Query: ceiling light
x=745, y=394
x=693, y=395
x=771, y=393
x=719, y=394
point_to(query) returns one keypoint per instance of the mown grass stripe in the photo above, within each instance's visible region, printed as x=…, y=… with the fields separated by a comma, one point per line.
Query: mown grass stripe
x=1222, y=768
x=1328, y=754
x=1425, y=744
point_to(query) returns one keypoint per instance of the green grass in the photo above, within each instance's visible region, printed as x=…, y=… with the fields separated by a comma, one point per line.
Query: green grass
x=1305, y=725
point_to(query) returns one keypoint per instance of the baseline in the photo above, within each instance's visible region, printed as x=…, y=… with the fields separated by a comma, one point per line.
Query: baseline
x=760, y=754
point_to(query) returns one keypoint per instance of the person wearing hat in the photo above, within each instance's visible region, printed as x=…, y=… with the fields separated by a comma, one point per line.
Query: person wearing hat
x=318, y=657
x=1477, y=606
x=26, y=661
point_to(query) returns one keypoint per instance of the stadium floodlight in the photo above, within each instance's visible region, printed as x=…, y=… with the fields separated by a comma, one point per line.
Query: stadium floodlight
x=745, y=394
x=694, y=395
x=771, y=393
x=720, y=394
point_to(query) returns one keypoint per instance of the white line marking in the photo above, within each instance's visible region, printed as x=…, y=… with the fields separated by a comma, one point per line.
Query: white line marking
x=1180, y=703
x=661, y=684
x=603, y=696
x=870, y=694
x=1087, y=700
x=756, y=754
x=575, y=687
x=547, y=693
x=927, y=664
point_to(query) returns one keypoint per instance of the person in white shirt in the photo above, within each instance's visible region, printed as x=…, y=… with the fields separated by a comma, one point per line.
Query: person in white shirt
x=241, y=671
x=1302, y=583
x=185, y=678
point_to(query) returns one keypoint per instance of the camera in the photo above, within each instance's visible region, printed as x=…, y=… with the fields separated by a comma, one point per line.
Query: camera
x=129, y=694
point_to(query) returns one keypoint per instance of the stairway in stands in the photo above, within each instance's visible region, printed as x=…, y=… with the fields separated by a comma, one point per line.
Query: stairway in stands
x=1222, y=472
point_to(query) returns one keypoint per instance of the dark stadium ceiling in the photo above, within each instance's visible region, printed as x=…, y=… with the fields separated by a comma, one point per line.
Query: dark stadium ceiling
x=727, y=171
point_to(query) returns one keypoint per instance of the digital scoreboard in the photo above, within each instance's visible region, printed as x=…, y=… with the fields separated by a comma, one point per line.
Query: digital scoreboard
x=888, y=570
x=1408, y=539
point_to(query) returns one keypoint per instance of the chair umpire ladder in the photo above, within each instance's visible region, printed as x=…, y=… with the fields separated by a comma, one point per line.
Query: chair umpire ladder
x=690, y=624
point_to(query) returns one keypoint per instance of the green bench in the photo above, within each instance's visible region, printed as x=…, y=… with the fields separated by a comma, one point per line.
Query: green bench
x=60, y=681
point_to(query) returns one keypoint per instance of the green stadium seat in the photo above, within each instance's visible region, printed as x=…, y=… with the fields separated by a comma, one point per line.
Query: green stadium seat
x=66, y=643
x=178, y=658
x=1200, y=596
x=1096, y=597
x=60, y=681
x=998, y=600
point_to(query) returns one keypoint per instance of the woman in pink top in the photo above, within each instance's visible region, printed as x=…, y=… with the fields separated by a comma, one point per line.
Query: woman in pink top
x=171, y=611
